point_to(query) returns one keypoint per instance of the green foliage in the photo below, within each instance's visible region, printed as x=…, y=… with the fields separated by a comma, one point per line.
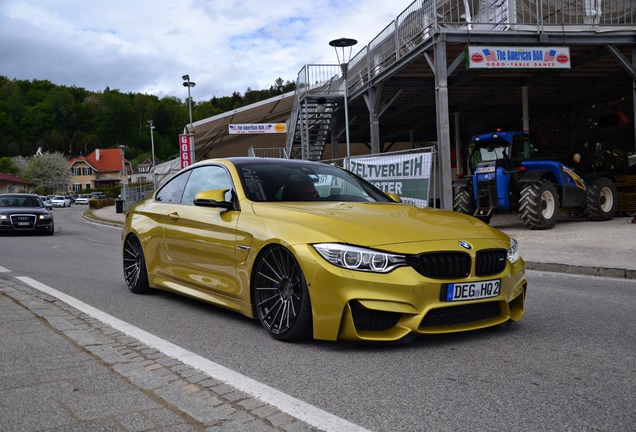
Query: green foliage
x=8, y=166
x=70, y=120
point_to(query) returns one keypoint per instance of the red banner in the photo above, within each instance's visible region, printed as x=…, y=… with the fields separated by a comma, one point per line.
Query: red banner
x=186, y=150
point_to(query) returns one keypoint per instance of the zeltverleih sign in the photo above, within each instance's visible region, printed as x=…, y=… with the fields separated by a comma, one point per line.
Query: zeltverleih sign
x=407, y=175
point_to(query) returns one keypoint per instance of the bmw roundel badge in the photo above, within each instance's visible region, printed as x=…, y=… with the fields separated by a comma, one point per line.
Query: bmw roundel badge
x=465, y=245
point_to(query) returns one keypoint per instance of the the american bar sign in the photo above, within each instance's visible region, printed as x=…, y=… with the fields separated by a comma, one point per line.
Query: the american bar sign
x=517, y=57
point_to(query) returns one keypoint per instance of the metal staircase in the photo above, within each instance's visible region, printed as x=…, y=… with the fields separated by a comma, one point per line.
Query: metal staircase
x=319, y=95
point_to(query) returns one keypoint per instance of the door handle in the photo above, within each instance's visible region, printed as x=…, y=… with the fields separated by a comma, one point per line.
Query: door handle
x=173, y=216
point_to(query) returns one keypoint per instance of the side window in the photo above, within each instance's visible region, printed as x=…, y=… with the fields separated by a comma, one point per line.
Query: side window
x=172, y=191
x=205, y=178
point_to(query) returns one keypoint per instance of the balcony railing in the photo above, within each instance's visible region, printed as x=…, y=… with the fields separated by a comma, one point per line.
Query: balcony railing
x=423, y=18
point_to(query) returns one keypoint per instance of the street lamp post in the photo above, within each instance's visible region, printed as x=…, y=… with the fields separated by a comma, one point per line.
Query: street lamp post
x=152, y=144
x=123, y=164
x=344, y=66
x=189, y=84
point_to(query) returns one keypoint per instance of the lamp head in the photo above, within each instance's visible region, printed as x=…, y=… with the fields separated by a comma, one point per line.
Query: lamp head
x=186, y=78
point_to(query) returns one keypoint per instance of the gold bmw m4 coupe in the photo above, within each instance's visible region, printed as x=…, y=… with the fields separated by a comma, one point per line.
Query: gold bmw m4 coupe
x=312, y=250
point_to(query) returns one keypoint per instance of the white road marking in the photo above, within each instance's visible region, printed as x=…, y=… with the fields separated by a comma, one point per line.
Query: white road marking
x=295, y=407
x=4, y=270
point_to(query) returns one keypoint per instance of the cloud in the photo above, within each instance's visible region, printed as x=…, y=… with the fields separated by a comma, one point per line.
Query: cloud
x=225, y=46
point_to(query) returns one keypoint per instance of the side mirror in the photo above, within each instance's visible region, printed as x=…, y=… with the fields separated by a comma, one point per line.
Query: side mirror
x=213, y=198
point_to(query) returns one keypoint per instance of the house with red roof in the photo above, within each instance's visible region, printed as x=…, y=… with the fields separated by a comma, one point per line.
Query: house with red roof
x=101, y=169
x=12, y=184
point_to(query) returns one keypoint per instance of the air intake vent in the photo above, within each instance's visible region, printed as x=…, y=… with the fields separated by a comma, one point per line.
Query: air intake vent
x=372, y=320
x=462, y=314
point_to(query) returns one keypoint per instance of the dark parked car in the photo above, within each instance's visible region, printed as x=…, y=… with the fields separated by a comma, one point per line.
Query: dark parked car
x=26, y=213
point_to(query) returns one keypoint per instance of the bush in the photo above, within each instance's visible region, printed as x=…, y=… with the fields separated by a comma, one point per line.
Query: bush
x=95, y=203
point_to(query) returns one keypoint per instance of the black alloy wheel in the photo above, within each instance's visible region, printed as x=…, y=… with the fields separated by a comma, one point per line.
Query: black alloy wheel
x=135, y=271
x=280, y=295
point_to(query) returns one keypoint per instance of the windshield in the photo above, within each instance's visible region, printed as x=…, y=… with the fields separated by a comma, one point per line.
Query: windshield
x=305, y=182
x=20, y=201
x=494, y=152
x=524, y=148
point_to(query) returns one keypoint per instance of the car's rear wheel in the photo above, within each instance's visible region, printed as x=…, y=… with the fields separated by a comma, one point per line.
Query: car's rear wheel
x=135, y=271
x=280, y=295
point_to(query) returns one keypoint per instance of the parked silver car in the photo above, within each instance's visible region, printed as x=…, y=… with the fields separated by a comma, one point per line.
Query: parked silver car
x=47, y=202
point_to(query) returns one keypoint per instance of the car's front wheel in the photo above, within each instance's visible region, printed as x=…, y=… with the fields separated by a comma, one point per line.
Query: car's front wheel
x=280, y=295
x=135, y=271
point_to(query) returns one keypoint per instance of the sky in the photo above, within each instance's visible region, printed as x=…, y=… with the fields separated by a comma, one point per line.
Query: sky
x=146, y=46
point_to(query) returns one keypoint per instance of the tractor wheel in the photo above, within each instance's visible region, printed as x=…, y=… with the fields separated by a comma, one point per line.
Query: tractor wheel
x=539, y=205
x=601, y=200
x=464, y=201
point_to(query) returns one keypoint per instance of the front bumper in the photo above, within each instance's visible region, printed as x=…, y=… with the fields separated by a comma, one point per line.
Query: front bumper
x=354, y=305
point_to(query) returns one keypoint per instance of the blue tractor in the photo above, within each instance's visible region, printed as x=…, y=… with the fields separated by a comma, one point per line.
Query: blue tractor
x=510, y=174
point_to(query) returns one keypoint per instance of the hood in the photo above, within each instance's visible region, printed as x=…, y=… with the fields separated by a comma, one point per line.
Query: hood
x=377, y=224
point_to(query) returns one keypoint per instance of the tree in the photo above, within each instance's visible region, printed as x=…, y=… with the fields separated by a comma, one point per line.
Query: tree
x=49, y=172
x=7, y=166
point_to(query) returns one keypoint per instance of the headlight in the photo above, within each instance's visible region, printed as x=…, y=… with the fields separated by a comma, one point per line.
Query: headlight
x=357, y=258
x=513, y=251
x=3, y=217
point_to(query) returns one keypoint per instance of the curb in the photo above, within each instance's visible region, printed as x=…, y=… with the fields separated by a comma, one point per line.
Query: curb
x=581, y=270
x=99, y=220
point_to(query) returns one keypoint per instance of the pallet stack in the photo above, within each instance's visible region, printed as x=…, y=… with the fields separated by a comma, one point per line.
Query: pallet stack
x=626, y=188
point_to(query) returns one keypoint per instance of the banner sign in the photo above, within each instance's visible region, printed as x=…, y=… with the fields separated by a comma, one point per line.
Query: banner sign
x=258, y=128
x=407, y=175
x=516, y=57
x=186, y=150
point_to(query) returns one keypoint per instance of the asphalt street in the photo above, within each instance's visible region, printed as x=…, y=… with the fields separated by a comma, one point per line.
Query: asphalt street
x=63, y=369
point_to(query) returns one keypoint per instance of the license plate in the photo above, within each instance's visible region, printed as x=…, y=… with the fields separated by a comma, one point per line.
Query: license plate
x=23, y=224
x=473, y=290
x=488, y=169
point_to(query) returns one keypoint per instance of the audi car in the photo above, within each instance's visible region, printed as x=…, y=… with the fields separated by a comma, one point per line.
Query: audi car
x=313, y=250
x=25, y=213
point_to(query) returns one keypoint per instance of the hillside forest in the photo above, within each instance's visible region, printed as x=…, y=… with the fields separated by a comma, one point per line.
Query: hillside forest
x=41, y=115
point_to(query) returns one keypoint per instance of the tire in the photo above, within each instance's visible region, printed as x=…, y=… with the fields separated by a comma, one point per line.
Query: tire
x=280, y=295
x=464, y=202
x=601, y=201
x=539, y=205
x=135, y=271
